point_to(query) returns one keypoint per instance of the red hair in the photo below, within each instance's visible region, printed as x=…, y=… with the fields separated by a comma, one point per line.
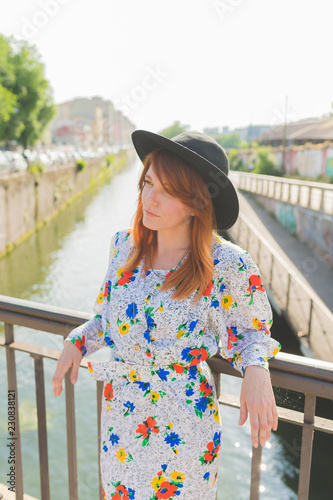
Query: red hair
x=184, y=183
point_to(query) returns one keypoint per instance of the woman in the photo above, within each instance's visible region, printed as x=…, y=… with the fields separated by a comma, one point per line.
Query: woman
x=175, y=293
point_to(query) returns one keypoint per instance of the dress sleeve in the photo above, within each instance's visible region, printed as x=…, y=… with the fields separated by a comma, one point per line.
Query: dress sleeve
x=243, y=315
x=89, y=337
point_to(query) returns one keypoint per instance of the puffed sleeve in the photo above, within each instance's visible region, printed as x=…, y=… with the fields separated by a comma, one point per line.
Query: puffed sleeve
x=242, y=313
x=89, y=337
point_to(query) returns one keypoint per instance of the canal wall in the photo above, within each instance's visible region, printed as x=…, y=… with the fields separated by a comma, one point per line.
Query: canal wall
x=311, y=227
x=28, y=201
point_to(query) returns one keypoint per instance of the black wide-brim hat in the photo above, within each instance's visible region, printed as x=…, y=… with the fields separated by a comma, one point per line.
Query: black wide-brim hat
x=205, y=156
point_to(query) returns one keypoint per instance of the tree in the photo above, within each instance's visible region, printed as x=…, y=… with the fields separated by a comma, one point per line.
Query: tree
x=232, y=140
x=33, y=108
x=7, y=77
x=264, y=163
x=174, y=129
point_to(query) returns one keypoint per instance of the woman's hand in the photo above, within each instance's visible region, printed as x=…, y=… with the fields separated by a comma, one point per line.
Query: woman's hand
x=257, y=399
x=70, y=356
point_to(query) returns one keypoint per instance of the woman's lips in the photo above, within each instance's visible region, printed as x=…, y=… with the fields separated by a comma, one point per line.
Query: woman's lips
x=150, y=214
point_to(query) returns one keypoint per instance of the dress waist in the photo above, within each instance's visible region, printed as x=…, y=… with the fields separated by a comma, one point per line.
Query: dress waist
x=134, y=371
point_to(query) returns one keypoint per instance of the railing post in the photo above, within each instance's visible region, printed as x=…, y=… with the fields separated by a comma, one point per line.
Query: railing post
x=255, y=472
x=99, y=413
x=288, y=292
x=42, y=431
x=310, y=319
x=271, y=271
x=71, y=438
x=13, y=396
x=306, y=450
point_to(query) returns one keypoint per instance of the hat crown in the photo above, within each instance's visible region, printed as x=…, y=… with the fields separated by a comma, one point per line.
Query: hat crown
x=206, y=147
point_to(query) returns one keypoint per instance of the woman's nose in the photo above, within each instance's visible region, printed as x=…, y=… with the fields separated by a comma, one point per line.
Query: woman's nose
x=151, y=196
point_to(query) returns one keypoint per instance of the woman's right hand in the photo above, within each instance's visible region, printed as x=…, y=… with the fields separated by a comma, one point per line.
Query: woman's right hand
x=70, y=357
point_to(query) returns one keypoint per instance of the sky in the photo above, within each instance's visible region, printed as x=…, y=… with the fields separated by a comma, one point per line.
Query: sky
x=206, y=63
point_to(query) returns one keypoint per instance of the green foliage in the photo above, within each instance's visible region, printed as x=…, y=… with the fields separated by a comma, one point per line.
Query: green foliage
x=109, y=159
x=233, y=140
x=80, y=165
x=173, y=130
x=36, y=168
x=26, y=104
x=235, y=161
x=264, y=163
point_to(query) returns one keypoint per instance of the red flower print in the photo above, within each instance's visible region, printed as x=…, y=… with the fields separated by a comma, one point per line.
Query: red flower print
x=199, y=355
x=166, y=490
x=206, y=389
x=126, y=278
x=231, y=338
x=80, y=344
x=121, y=493
x=255, y=283
x=208, y=289
x=146, y=429
x=212, y=451
x=178, y=368
x=108, y=392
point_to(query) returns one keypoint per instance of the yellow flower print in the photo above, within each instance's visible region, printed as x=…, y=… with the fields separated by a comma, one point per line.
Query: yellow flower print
x=157, y=481
x=176, y=451
x=180, y=334
x=100, y=298
x=155, y=396
x=226, y=302
x=114, y=252
x=177, y=476
x=276, y=350
x=121, y=455
x=211, y=404
x=90, y=368
x=100, y=333
x=216, y=415
x=134, y=376
x=124, y=328
x=257, y=323
x=158, y=286
x=170, y=425
x=119, y=272
x=160, y=308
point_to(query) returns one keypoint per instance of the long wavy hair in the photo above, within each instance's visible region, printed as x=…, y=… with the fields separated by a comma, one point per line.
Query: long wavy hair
x=196, y=271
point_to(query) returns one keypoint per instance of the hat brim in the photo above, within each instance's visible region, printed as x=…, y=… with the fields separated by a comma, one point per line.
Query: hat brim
x=224, y=195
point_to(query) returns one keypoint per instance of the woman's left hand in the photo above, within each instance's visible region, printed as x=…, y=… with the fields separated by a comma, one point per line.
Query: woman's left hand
x=257, y=399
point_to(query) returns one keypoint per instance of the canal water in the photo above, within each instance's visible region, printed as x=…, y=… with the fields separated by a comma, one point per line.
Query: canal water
x=63, y=265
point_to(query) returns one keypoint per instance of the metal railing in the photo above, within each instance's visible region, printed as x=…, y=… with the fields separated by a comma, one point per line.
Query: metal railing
x=306, y=313
x=310, y=377
x=317, y=196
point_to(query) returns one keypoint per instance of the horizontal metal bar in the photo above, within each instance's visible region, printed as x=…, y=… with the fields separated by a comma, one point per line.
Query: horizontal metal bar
x=285, y=414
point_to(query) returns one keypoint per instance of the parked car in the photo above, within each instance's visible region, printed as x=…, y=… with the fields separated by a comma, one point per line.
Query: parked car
x=5, y=164
x=17, y=162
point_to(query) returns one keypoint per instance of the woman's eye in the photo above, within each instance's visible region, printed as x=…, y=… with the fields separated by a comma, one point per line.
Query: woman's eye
x=145, y=181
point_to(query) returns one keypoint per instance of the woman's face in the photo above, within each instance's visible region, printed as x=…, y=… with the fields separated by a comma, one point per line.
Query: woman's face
x=170, y=212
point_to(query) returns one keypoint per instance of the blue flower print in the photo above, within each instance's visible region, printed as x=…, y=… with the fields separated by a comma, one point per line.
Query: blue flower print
x=193, y=324
x=201, y=404
x=163, y=374
x=173, y=439
x=129, y=408
x=206, y=476
x=114, y=439
x=105, y=448
x=215, y=303
x=147, y=336
x=189, y=391
x=186, y=356
x=144, y=386
x=132, y=310
x=108, y=341
x=192, y=373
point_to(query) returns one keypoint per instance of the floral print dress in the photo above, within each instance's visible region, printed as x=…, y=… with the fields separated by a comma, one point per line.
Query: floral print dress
x=161, y=427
